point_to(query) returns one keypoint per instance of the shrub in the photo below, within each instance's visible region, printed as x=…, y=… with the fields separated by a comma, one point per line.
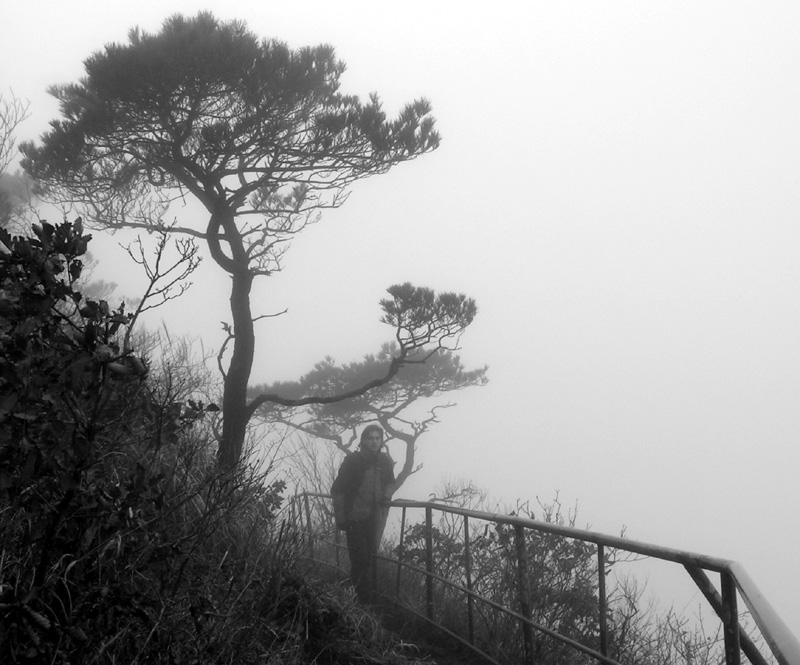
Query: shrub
x=121, y=540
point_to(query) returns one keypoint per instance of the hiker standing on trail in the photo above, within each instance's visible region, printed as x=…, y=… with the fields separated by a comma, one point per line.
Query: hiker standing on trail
x=361, y=493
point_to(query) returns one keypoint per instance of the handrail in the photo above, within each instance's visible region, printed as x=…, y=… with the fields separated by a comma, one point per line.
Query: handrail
x=784, y=645
x=780, y=639
x=617, y=542
x=774, y=629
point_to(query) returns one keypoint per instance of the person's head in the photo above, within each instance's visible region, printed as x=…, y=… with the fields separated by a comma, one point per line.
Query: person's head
x=371, y=439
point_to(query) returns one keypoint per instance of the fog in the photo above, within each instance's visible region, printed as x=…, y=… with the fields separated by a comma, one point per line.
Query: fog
x=617, y=187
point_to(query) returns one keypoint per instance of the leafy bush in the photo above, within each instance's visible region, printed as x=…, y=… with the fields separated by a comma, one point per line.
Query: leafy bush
x=122, y=540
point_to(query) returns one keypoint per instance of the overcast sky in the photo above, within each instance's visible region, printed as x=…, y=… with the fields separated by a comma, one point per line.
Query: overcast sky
x=619, y=188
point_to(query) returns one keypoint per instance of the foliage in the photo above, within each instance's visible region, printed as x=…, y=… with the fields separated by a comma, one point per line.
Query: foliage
x=122, y=540
x=406, y=407
x=449, y=315
x=64, y=377
x=257, y=133
x=206, y=108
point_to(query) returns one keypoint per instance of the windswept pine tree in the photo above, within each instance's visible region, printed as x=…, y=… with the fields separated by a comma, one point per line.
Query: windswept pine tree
x=257, y=132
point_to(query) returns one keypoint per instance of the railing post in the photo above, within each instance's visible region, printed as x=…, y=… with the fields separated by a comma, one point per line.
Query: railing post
x=336, y=538
x=309, y=532
x=296, y=514
x=373, y=586
x=716, y=601
x=522, y=583
x=468, y=573
x=601, y=593
x=400, y=552
x=429, y=561
x=730, y=620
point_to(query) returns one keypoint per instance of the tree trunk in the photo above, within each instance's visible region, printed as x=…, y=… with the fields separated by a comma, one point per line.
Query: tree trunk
x=408, y=462
x=234, y=400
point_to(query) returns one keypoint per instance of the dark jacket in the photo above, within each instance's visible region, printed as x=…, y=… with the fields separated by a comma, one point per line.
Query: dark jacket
x=363, y=487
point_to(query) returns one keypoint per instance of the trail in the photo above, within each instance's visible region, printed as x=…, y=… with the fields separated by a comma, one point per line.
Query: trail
x=434, y=646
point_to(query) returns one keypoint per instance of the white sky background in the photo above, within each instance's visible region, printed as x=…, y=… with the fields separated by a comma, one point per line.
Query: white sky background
x=619, y=188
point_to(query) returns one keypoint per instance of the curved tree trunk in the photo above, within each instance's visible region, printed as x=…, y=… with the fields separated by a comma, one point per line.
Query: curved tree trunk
x=411, y=447
x=235, y=414
x=234, y=400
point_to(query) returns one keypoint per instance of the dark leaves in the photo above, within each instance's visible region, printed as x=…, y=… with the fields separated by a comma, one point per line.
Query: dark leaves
x=422, y=317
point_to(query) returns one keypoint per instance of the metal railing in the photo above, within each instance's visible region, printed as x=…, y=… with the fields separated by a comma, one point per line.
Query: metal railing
x=734, y=583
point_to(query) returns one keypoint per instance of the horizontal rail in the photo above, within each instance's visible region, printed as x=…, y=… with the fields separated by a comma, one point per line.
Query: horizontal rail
x=617, y=542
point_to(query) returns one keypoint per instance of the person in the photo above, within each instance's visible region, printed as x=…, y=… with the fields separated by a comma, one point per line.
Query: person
x=361, y=494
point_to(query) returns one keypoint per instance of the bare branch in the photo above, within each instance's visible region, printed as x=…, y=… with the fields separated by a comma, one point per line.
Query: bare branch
x=13, y=111
x=165, y=283
x=270, y=316
x=229, y=337
x=394, y=368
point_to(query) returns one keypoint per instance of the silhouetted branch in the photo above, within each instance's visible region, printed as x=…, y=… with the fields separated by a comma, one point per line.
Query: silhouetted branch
x=165, y=283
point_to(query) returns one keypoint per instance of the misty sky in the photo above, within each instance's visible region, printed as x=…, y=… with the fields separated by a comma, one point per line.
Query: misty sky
x=619, y=188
